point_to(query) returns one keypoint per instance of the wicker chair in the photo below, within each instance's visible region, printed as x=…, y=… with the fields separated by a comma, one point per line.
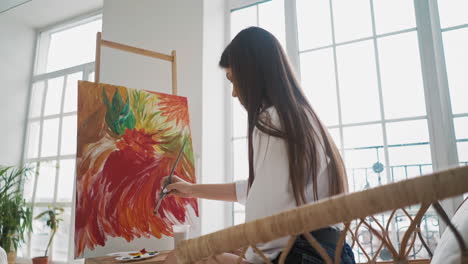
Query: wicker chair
x=355, y=210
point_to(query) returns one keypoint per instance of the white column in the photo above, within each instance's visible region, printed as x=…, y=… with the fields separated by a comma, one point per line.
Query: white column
x=292, y=42
x=436, y=90
x=215, y=214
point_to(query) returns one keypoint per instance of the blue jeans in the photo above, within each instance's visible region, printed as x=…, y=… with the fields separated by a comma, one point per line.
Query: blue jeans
x=303, y=252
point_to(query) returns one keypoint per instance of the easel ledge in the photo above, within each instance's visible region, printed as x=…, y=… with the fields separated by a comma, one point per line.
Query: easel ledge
x=149, y=53
x=159, y=259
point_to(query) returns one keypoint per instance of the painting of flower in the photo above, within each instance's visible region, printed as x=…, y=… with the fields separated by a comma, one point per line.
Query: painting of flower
x=128, y=140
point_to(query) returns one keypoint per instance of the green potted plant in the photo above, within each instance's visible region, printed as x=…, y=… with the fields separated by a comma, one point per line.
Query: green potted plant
x=52, y=221
x=15, y=213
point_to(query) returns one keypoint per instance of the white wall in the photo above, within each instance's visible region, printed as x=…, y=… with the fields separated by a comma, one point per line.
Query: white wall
x=16, y=60
x=191, y=28
x=161, y=26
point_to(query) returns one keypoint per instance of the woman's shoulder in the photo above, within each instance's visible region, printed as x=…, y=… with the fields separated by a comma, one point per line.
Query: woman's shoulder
x=270, y=117
x=272, y=112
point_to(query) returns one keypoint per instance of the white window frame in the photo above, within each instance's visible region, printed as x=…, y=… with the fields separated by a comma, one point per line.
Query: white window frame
x=39, y=74
x=438, y=107
x=239, y=4
x=43, y=37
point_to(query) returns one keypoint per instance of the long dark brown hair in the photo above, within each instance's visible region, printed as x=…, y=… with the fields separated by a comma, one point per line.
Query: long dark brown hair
x=263, y=78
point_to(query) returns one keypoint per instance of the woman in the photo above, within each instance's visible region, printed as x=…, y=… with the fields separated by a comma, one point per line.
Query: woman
x=292, y=158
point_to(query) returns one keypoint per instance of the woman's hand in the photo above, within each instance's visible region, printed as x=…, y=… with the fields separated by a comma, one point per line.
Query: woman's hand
x=179, y=187
x=182, y=188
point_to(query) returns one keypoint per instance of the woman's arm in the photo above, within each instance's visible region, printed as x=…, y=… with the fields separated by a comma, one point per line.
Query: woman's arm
x=222, y=192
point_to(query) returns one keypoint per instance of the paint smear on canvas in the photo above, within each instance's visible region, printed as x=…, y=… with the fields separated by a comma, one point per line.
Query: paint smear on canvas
x=128, y=140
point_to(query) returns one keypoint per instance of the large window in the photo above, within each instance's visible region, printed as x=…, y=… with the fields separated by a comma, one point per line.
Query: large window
x=64, y=56
x=354, y=77
x=361, y=71
x=361, y=68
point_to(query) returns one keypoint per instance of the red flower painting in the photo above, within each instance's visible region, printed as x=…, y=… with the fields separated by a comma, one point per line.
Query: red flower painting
x=128, y=140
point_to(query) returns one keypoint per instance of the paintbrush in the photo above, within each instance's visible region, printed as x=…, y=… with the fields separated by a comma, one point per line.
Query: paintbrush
x=169, y=179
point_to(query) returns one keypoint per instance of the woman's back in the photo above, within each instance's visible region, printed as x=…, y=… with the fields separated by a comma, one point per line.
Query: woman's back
x=271, y=191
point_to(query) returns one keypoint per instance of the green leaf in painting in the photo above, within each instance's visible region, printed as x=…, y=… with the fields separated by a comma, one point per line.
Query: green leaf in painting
x=119, y=116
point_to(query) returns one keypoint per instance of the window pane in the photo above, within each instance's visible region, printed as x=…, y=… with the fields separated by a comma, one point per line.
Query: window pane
x=402, y=85
x=33, y=140
x=50, y=137
x=241, y=159
x=335, y=133
x=364, y=151
x=91, y=77
x=413, y=158
x=66, y=180
x=456, y=57
x=461, y=127
x=271, y=18
x=393, y=15
x=46, y=181
x=319, y=84
x=463, y=152
x=358, y=82
x=28, y=186
x=73, y=46
x=68, y=144
x=362, y=158
x=71, y=92
x=407, y=132
x=62, y=238
x=243, y=18
x=54, y=96
x=410, y=155
x=453, y=12
x=40, y=236
x=352, y=19
x=36, y=99
x=363, y=136
x=23, y=249
x=365, y=168
x=313, y=23
x=239, y=119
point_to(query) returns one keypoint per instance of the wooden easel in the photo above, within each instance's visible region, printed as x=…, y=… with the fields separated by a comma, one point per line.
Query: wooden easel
x=173, y=59
x=101, y=42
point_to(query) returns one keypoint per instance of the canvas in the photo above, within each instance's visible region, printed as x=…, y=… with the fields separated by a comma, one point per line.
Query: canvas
x=128, y=140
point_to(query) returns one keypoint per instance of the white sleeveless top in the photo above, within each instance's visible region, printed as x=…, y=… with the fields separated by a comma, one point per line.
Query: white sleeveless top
x=271, y=191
